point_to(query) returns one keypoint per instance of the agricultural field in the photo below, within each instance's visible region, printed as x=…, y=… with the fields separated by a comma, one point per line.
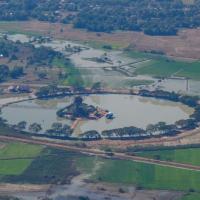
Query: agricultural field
x=161, y=66
x=190, y=156
x=147, y=176
x=191, y=196
x=34, y=164
x=52, y=166
x=16, y=157
x=142, y=175
x=47, y=166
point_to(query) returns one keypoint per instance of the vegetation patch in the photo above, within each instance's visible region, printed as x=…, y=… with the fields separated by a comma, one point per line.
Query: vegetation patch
x=36, y=63
x=58, y=166
x=79, y=109
x=8, y=198
x=142, y=175
x=163, y=67
x=151, y=17
x=16, y=157
x=71, y=75
x=189, y=155
x=133, y=83
x=147, y=175
x=191, y=196
x=51, y=166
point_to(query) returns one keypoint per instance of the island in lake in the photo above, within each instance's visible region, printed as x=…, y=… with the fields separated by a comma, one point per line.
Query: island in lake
x=79, y=109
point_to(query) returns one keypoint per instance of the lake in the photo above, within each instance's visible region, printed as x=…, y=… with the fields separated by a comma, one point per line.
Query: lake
x=128, y=111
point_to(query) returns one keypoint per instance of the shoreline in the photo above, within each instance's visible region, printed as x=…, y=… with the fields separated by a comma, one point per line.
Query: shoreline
x=12, y=100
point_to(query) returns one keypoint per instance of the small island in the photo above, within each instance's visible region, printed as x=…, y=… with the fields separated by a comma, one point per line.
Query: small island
x=80, y=110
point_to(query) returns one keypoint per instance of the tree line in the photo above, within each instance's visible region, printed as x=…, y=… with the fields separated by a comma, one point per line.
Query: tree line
x=153, y=17
x=6, y=73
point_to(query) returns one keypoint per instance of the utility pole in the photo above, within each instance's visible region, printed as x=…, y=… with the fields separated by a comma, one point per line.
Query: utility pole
x=187, y=84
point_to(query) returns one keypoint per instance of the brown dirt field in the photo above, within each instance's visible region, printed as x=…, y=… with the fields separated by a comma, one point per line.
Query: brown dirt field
x=22, y=188
x=185, y=45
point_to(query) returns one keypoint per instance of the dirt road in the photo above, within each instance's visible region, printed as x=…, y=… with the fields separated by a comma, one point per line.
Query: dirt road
x=96, y=152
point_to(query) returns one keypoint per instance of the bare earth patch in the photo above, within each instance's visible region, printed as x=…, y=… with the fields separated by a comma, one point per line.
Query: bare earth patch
x=22, y=188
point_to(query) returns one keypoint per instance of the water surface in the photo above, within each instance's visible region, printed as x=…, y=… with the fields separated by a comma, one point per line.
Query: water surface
x=128, y=110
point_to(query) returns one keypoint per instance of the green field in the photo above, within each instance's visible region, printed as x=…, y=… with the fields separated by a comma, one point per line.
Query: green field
x=190, y=155
x=132, y=83
x=51, y=166
x=11, y=151
x=33, y=164
x=101, y=45
x=191, y=196
x=142, y=175
x=148, y=176
x=161, y=66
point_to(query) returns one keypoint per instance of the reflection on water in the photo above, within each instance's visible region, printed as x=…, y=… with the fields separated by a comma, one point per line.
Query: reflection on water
x=128, y=110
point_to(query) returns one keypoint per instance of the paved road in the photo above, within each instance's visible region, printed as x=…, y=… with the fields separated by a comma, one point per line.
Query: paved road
x=96, y=152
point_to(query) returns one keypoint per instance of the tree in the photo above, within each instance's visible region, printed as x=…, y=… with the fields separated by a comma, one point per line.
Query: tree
x=96, y=86
x=35, y=128
x=78, y=101
x=83, y=198
x=22, y=125
x=43, y=91
x=151, y=128
x=57, y=126
x=16, y=72
x=58, y=129
x=4, y=72
x=93, y=134
x=186, y=124
x=42, y=74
